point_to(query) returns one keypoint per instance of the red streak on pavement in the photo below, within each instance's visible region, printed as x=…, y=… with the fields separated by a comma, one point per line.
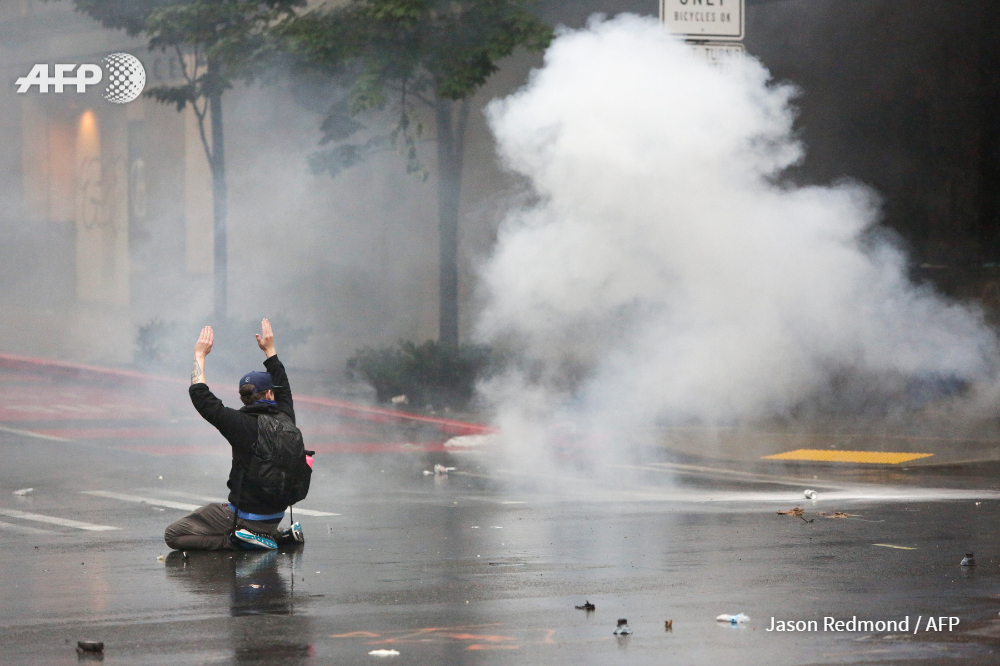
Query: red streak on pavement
x=120, y=433
x=222, y=449
x=375, y=414
x=177, y=450
x=189, y=431
x=376, y=447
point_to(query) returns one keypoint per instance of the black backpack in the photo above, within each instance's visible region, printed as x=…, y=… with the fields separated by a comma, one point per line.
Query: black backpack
x=277, y=474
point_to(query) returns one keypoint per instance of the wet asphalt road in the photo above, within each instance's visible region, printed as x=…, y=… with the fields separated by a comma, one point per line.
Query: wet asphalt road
x=485, y=566
x=471, y=570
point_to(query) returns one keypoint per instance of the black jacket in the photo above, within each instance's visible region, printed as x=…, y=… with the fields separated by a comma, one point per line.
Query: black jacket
x=239, y=426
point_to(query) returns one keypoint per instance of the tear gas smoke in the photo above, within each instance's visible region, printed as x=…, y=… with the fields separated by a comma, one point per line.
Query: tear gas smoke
x=666, y=272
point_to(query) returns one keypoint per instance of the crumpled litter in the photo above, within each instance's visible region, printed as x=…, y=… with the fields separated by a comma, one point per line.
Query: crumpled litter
x=739, y=618
x=22, y=492
x=442, y=470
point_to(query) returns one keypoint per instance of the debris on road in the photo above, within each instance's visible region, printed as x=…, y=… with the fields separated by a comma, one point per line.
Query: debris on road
x=384, y=653
x=159, y=558
x=811, y=494
x=739, y=618
x=968, y=560
x=836, y=514
x=797, y=511
x=22, y=492
x=587, y=606
x=89, y=647
x=889, y=545
x=668, y=625
x=400, y=400
x=441, y=470
x=622, y=629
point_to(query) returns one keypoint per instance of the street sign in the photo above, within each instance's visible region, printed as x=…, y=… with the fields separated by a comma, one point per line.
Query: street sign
x=704, y=19
x=718, y=53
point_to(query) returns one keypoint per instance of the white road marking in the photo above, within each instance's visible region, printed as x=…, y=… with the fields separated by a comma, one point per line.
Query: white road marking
x=37, y=517
x=24, y=528
x=310, y=512
x=142, y=500
x=29, y=433
x=205, y=498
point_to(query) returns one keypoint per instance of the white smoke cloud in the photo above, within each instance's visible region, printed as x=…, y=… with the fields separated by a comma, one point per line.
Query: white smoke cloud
x=665, y=272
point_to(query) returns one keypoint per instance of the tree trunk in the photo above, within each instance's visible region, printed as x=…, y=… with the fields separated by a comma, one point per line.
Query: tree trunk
x=217, y=162
x=451, y=140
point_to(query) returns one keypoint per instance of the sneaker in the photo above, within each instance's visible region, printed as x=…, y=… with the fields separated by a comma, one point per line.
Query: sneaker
x=291, y=536
x=252, y=541
x=297, y=534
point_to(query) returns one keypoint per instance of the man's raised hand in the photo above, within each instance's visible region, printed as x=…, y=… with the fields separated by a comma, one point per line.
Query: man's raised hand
x=265, y=339
x=201, y=350
x=204, y=344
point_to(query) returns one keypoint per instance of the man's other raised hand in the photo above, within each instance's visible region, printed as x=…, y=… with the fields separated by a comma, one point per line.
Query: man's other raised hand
x=265, y=339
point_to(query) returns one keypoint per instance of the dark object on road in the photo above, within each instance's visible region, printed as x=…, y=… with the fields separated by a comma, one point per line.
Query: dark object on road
x=968, y=560
x=622, y=629
x=90, y=647
x=668, y=625
x=806, y=521
x=587, y=606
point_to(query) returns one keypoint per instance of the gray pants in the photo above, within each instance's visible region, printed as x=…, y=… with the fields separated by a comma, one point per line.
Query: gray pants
x=209, y=527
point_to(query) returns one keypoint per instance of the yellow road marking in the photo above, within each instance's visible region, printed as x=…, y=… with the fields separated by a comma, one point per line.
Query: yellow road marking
x=827, y=455
x=889, y=545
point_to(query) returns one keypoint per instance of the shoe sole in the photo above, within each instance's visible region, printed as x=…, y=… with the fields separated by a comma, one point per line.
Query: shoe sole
x=251, y=541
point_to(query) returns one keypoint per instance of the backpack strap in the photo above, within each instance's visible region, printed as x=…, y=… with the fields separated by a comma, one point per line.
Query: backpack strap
x=239, y=486
x=239, y=498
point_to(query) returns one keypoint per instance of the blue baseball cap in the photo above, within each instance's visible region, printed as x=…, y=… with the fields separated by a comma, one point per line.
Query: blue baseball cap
x=261, y=381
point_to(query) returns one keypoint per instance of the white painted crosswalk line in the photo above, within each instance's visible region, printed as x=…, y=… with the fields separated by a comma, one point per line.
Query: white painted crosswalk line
x=141, y=500
x=205, y=498
x=39, y=518
x=24, y=528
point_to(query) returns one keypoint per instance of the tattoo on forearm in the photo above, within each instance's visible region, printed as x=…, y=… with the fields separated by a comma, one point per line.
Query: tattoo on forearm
x=197, y=374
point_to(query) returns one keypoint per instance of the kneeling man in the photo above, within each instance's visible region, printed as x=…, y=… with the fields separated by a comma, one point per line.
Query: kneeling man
x=245, y=521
